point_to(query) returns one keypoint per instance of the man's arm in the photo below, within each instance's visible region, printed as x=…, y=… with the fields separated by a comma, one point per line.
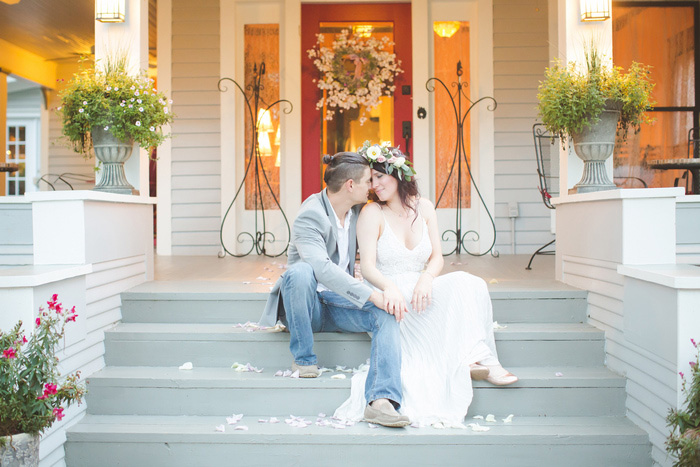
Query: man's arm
x=310, y=241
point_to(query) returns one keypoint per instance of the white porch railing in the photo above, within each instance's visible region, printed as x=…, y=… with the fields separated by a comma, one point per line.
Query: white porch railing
x=85, y=246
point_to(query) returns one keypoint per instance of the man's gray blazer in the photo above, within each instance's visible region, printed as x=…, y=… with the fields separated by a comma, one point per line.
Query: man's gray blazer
x=315, y=241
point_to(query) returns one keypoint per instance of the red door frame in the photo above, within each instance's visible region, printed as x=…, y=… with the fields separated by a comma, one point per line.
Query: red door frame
x=312, y=14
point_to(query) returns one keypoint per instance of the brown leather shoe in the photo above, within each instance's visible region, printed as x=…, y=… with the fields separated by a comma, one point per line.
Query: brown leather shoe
x=306, y=371
x=384, y=417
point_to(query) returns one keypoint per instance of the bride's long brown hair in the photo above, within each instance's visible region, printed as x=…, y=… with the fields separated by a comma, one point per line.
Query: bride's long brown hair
x=406, y=188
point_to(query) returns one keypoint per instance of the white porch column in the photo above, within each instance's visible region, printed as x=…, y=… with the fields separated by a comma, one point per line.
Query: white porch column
x=130, y=36
x=573, y=35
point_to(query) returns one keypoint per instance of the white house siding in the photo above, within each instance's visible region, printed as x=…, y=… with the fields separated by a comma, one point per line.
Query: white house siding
x=102, y=311
x=520, y=57
x=196, y=149
x=62, y=159
x=16, y=241
x=688, y=230
x=651, y=380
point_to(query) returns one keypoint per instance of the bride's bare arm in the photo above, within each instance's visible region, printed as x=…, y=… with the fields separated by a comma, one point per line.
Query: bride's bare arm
x=368, y=230
x=422, y=293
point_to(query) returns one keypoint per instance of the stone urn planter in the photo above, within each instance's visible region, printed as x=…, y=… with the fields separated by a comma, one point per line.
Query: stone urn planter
x=21, y=450
x=112, y=153
x=593, y=146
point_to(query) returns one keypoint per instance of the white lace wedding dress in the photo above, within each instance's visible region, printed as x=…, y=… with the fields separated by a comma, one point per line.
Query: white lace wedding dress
x=437, y=345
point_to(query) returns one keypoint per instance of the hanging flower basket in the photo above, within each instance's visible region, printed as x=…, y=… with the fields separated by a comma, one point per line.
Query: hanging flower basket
x=354, y=72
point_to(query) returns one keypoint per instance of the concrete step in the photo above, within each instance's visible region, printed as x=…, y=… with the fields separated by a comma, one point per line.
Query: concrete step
x=157, y=344
x=187, y=441
x=223, y=302
x=218, y=391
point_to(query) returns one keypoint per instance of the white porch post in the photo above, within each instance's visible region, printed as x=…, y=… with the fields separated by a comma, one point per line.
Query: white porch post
x=130, y=36
x=573, y=35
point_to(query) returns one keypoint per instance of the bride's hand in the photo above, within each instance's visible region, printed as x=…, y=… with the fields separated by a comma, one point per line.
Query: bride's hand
x=394, y=303
x=422, y=293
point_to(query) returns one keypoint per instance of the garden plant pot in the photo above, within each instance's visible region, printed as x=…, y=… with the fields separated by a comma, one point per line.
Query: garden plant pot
x=112, y=153
x=21, y=450
x=593, y=146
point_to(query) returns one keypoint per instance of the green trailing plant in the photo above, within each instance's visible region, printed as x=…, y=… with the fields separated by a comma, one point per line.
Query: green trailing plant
x=32, y=392
x=572, y=99
x=684, y=440
x=109, y=97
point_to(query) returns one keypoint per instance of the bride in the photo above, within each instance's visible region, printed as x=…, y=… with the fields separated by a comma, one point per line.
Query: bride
x=446, y=321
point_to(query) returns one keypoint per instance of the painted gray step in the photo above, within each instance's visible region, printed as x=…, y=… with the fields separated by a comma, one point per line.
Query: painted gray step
x=215, y=302
x=187, y=441
x=155, y=344
x=215, y=391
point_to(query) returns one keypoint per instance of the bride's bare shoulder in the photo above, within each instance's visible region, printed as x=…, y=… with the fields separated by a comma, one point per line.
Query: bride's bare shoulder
x=426, y=206
x=371, y=211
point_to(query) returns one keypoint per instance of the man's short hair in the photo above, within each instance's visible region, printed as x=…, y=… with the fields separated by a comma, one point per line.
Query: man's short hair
x=342, y=167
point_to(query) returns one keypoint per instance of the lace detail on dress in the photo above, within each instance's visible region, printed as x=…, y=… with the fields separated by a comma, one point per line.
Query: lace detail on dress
x=394, y=258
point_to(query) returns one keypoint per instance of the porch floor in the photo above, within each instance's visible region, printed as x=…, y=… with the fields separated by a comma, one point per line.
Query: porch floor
x=257, y=273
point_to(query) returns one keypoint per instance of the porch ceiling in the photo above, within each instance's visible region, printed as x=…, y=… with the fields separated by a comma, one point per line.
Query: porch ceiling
x=50, y=29
x=58, y=30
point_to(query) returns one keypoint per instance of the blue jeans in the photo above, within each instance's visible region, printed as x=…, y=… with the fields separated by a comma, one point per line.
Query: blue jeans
x=308, y=311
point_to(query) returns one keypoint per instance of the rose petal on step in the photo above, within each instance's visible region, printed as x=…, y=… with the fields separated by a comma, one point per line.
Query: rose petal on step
x=478, y=417
x=415, y=425
x=498, y=326
x=186, y=366
x=372, y=425
x=261, y=278
x=274, y=420
x=279, y=373
x=341, y=376
x=295, y=374
x=508, y=419
x=263, y=420
x=477, y=427
x=220, y=428
x=322, y=415
x=439, y=426
x=558, y=374
x=233, y=419
x=241, y=428
x=490, y=418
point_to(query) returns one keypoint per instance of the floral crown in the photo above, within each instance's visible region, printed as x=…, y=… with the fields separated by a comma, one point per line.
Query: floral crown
x=391, y=158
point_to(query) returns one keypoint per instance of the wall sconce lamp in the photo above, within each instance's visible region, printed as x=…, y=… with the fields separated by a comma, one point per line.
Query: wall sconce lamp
x=110, y=11
x=595, y=10
x=446, y=28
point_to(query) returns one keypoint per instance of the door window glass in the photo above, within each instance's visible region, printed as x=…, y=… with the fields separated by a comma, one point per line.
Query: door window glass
x=262, y=44
x=669, y=47
x=451, y=47
x=15, y=182
x=350, y=128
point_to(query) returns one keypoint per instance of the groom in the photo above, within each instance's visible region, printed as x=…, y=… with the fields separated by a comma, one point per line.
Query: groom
x=318, y=293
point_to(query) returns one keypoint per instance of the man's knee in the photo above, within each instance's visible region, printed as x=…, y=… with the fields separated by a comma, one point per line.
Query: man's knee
x=299, y=275
x=385, y=320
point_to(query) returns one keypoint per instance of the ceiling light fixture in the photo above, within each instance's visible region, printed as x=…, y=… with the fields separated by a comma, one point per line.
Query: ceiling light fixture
x=595, y=10
x=110, y=11
x=446, y=28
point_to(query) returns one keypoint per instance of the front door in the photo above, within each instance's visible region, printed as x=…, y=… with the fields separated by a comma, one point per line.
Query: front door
x=391, y=121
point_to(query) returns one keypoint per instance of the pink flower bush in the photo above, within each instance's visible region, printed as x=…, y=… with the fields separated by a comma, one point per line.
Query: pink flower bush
x=33, y=393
